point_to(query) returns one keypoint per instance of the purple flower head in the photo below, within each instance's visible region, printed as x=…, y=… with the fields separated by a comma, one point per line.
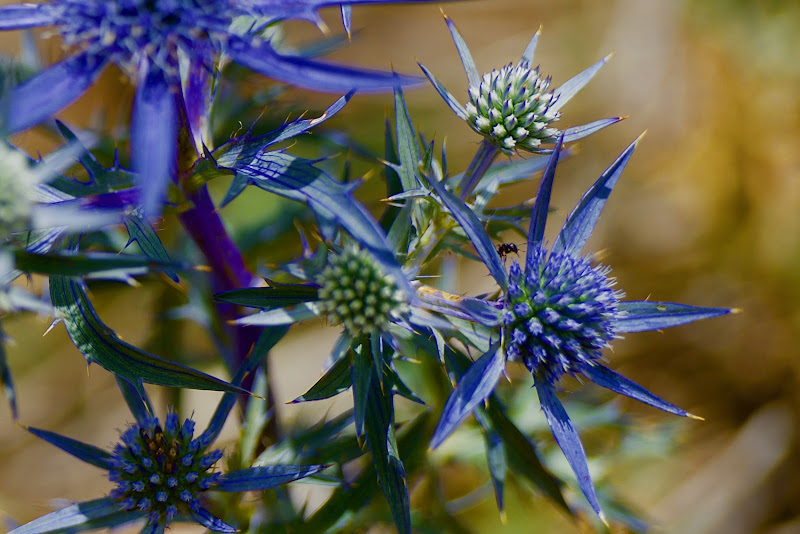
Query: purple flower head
x=152, y=472
x=159, y=42
x=567, y=308
x=160, y=471
x=559, y=313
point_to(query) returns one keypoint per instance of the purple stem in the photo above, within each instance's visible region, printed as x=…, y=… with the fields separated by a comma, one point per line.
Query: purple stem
x=228, y=270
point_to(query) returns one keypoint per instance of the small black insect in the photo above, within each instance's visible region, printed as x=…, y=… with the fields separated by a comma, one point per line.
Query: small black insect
x=504, y=249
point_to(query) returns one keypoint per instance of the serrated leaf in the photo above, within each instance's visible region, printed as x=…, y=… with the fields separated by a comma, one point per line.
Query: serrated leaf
x=101, y=179
x=298, y=179
x=408, y=154
x=398, y=386
x=332, y=516
x=394, y=185
x=144, y=234
x=98, y=343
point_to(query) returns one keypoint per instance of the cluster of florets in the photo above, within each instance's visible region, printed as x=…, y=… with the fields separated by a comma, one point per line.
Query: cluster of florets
x=127, y=30
x=356, y=293
x=161, y=471
x=559, y=314
x=16, y=185
x=511, y=108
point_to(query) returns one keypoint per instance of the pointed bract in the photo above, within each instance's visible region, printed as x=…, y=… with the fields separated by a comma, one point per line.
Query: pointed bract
x=311, y=74
x=70, y=517
x=542, y=204
x=473, y=387
x=463, y=53
x=571, y=87
x=264, y=477
x=154, y=131
x=49, y=91
x=568, y=440
x=211, y=522
x=513, y=108
x=605, y=377
x=82, y=451
x=644, y=315
x=21, y=16
x=580, y=223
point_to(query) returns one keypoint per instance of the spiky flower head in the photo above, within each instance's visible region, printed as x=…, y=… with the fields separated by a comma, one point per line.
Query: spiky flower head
x=356, y=292
x=511, y=108
x=559, y=314
x=161, y=470
x=16, y=184
x=127, y=31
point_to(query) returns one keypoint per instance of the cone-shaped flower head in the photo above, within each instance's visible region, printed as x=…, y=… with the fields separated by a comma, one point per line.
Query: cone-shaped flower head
x=356, y=293
x=162, y=470
x=511, y=107
x=559, y=314
x=127, y=31
x=150, y=40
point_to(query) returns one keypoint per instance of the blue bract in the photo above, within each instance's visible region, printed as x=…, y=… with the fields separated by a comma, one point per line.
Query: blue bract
x=161, y=472
x=146, y=39
x=560, y=311
x=513, y=108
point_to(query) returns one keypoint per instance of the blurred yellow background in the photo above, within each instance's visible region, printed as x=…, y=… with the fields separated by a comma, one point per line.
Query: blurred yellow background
x=707, y=213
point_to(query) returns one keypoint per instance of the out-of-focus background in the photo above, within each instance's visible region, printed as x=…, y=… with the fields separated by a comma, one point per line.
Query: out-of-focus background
x=707, y=213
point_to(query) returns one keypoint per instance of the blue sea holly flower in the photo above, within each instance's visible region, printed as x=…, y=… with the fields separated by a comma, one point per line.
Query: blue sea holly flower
x=145, y=38
x=514, y=108
x=559, y=312
x=162, y=472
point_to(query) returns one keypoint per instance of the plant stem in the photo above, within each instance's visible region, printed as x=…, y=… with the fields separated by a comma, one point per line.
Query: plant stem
x=228, y=269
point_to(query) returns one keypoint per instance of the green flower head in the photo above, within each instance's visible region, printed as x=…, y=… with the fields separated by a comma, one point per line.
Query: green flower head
x=356, y=293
